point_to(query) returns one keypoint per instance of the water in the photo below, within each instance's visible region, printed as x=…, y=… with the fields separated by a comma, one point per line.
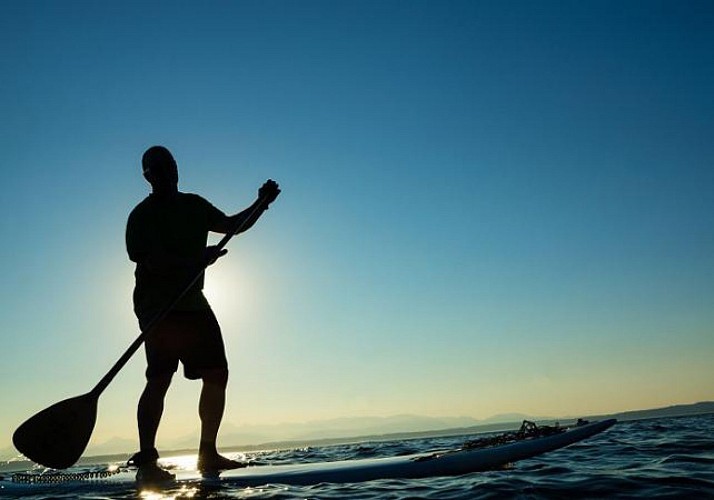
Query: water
x=662, y=458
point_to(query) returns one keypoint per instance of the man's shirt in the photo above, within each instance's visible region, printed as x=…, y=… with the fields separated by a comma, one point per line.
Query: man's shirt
x=176, y=226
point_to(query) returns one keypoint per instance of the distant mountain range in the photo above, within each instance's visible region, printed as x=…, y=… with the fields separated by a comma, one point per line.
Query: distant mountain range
x=321, y=430
x=342, y=430
x=406, y=426
x=668, y=411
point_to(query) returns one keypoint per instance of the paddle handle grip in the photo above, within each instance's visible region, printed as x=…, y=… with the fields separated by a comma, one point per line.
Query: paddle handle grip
x=106, y=380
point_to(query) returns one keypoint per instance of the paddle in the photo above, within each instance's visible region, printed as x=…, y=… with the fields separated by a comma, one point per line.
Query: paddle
x=57, y=436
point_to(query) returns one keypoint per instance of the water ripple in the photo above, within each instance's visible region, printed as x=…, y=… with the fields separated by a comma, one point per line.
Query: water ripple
x=663, y=458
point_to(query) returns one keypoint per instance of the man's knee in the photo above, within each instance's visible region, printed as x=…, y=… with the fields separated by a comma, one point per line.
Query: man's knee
x=215, y=376
x=159, y=383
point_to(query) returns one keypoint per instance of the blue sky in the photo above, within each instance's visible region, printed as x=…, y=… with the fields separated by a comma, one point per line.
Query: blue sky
x=487, y=207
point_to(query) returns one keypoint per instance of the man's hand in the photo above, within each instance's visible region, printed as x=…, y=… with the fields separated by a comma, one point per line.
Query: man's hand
x=212, y=254
x=269, y=192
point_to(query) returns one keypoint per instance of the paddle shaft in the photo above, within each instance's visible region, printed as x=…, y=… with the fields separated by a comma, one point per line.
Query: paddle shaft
x=106, y=380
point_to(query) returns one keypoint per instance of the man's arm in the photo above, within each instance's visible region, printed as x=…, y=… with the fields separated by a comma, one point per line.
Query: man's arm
x=248, y=217
x=245, y=218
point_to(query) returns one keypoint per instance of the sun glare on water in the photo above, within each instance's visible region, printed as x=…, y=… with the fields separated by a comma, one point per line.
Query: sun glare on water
x=183, y=492
x=180, y=462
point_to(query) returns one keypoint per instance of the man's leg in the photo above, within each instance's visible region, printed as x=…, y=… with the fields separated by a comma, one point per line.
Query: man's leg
x=211, y=406
x=210, y=409
x=151, y=407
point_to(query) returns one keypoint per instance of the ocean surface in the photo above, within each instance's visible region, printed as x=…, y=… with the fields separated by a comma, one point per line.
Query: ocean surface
x=658, y=458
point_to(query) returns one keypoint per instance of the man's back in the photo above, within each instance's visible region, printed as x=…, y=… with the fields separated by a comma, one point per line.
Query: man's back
x=166, y=236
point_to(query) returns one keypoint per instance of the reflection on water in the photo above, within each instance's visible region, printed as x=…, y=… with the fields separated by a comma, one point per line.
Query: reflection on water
x=672, y=457
x=181, y=492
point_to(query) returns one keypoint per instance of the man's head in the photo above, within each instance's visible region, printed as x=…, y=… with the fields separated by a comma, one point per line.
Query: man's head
x=160, y=169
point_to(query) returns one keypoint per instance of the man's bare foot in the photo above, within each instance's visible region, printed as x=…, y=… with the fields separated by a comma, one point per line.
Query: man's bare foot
x=215, y=462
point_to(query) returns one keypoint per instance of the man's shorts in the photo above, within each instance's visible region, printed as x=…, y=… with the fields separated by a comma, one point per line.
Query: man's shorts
x=192, y=337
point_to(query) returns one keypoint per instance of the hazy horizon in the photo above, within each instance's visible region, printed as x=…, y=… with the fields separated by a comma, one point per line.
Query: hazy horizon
x=487, y=207
x=348, y=429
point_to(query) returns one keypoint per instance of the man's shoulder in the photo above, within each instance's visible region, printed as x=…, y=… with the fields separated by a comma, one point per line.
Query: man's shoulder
x=191, y=198
x=151, y=201
x=195, y=202
x=142, y=206
x=182, y=201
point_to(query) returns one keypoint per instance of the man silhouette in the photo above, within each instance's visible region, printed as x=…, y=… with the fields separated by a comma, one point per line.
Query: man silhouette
x=166, y=237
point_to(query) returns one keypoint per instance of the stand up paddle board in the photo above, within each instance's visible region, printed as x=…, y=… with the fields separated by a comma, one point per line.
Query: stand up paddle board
x=454, y=462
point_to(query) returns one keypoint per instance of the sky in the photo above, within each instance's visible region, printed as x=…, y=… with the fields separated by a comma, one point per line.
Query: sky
x=487, y=206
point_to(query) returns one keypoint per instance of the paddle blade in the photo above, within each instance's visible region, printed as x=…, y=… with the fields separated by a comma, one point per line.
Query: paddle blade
x=57, y=436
